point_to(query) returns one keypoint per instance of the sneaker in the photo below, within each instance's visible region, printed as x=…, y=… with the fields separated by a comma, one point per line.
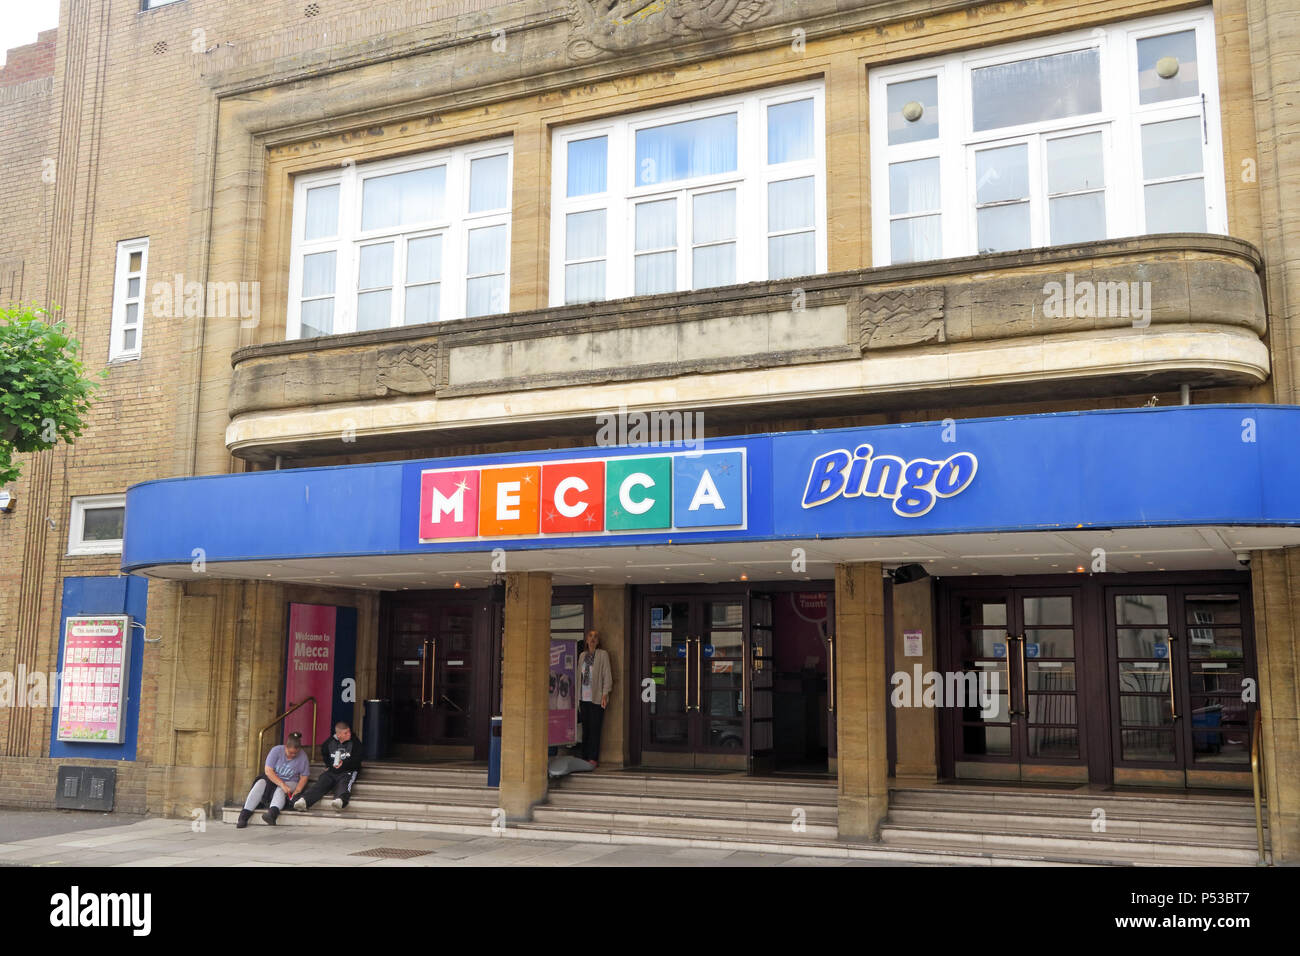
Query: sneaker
x=243, y=819
x=300, y=804
x=337, y=803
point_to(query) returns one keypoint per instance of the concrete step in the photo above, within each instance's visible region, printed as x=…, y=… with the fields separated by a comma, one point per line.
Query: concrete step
x=896, y=850
x=1117, y=850
x=682, y=824
x=747, y=789
x=1173, y=808
x=422, y=774
x=1054, y=822
x=804, y=845
x=405, y=792
x=807, y=846
x=688, y=806
x=365, y=816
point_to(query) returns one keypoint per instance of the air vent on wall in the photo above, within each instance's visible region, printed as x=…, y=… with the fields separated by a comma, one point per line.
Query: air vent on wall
x=160, y=47
x=313, y=10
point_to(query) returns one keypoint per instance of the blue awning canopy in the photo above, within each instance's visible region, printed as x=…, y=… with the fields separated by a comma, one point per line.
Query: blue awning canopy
x=1112, y=471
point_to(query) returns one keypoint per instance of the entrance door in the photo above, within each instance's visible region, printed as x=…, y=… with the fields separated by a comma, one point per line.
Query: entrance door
x=439, y=650
x=695, y=657
x=1013, y=686
x=1179, y=659
x=794, y=630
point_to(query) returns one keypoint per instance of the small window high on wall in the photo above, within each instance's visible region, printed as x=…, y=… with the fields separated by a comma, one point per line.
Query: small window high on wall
x=127, y=324
x=1093, y=135
x=401, y=242
x=706, y=194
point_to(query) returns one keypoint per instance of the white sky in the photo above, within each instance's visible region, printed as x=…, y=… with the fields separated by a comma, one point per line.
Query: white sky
x=21, y=20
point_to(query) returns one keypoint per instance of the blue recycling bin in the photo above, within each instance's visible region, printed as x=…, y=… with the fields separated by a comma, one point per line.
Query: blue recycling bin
x=494, y=753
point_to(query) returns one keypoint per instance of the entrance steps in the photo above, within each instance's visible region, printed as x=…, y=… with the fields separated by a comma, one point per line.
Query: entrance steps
x=401, y=796
x=1155, y=829
x=689, y=805
x=956, y=825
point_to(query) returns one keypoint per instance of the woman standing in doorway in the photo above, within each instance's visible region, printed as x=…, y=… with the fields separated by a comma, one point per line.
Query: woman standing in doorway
x=597, y=681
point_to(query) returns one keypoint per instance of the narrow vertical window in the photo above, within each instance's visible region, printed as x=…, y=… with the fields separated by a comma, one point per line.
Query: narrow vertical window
x=1173, y=176
x=1076, y=189
x=656, y=247
x=713, y=238
x=914, y=210
x=584, y=256
x=1002, y=198
x=375, y=287
x=127, y=325
x=486, y=271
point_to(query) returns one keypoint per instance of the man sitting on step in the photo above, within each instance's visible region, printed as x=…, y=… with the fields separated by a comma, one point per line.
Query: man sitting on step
x=341, y=755
x=280, y=781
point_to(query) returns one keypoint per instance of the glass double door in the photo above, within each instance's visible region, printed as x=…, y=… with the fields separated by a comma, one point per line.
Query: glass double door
x=1013, y=684
x=1107, y=682
x=694, y=657
x=1181, y=678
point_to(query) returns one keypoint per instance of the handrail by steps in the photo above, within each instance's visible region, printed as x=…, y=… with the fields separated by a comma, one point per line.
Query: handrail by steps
x=1257, y=781
x=301, y=703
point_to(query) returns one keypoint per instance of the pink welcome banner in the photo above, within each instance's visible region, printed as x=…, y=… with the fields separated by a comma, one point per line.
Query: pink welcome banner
x=310, y=669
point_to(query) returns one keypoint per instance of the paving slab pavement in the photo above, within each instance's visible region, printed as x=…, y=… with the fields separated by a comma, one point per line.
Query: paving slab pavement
x=90, y=840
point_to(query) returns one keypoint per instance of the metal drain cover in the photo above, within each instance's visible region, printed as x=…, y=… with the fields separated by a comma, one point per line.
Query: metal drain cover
x=392, y=853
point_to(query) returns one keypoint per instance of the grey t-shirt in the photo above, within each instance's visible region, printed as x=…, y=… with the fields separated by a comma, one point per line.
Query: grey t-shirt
x=287, y=770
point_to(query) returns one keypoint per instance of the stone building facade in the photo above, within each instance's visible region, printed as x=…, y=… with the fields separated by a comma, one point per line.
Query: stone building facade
x=857, y=278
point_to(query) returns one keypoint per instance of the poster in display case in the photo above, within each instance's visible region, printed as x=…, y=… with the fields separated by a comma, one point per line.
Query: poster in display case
x=93, y=685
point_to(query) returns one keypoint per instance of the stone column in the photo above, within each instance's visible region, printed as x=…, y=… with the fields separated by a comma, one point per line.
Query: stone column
x=915, y=728
x=1273, y=27
x=860, y=699
x=609, y=617
x=1276, y=581
x=849, y=225
x=526, y=645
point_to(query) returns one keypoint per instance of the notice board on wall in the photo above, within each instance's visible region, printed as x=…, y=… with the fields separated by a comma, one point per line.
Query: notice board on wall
x=93, y=688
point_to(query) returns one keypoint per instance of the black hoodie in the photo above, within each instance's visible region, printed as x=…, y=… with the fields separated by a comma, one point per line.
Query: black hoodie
x=351, y=754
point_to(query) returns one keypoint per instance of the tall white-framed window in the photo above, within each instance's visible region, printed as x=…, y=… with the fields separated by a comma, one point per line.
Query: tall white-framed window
x=705, y=194
x=1096, y=134
x=401, y=242
x=95, y=524
x=127, y=324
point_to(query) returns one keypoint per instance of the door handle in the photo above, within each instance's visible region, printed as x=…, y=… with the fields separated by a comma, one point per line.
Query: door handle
x=686, y=667
x=830, y=687
x=1024, y=681
x=424, y=672
x=1173, y=706
x=1012, y=711
x=699, y=653
x=433, y=671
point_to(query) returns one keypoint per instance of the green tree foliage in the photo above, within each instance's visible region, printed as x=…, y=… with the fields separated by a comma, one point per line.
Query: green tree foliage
x=44, y=390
